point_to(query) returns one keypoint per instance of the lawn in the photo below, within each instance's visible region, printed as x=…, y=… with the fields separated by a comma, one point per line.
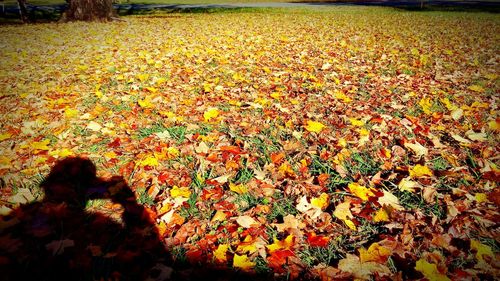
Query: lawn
x=349, y=141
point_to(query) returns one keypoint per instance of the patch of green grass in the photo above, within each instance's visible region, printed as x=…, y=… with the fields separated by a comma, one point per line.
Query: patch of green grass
x=143, y=197
x=179, y=255
x=281, y=208
x=440, y=164
x=243, y=175
x=261, y=266
x=362, y=163
x=314, y=255
x=189, y=208
x=413, y=201
x=247, y=201
x=146, y=132
x=177, y=132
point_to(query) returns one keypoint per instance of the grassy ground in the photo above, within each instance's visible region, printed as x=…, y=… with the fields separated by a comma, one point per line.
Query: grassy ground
x=349, y=140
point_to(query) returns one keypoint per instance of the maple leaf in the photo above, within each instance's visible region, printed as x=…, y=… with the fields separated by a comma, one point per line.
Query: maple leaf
x=94, y=126
x=242, y=262
x=211, y=114
x=180, y=192
x=220, y=254
x=362, y=270
x=419, y=149
x=430, y=271
x=314, y=126
x=481, y=250
x=5, y=136
x=278, y=258
x=41, y=145
x=420, y=171
x=317, y=240
x=476, y=88
x=286, y=243
x=321, y=202
x=389, y=199
x=145, y=103
x=408, y=185
x=238, y=188
x=246, y=221
x=150, y=160
x=375, y=252
x=360, y=191
x=343, y=212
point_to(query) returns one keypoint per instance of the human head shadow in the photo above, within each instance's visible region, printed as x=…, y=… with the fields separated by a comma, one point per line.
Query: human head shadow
x=58, y=238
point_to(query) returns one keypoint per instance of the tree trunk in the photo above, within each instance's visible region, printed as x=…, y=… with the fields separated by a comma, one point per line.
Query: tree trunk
x=89, y=10
x=23, y=11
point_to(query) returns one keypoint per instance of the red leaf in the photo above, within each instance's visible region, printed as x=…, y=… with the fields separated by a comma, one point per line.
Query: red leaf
x=115, y=143
x=277, y=158
x=278, y=258
x=317, y=240
x=231, y=149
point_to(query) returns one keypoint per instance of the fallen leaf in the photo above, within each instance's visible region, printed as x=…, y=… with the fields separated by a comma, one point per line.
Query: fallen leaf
x=430, y=271
x=246, y=221
x=418, y=149
x=94, y=126
x=211, y=114
x=420, y=171
x=220, y=254
x=313, y=126
x=238, y=188
x=242, y=262
x=362, y=270
x=360, y=191
x=58, y=246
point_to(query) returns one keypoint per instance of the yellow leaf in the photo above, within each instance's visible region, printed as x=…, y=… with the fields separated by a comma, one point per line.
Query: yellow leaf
x=341, y=96
x=242, y=262
x=61, y=152
x=143, y=77
x=5, y=136
x=360, y=191
x=172, y=152
x=356, y=122
x=374, y=253
x=381, y=215
x=493, y=125
x=476, y=88
x=70, y=113
x=110, y=155
x=211, y=113
x=149, y=161
x=426, y=104
x=321, y=202
x=481, y=197
x=420, y=171
x=286, y=169
x=482, y=250
x=313, y=126
x=240, y=188
x=220, y=254
x=145, y=103
x=41, y=145
x=350, y=224
x=180, y=192
x=286, y=244
x=219, y=216
x=247, y=246
x=430, y=271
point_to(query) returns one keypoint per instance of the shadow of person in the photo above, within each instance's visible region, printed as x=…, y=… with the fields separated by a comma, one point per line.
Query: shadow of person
x=59, y=239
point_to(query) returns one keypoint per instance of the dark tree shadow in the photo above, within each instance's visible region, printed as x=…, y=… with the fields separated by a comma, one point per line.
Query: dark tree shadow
x=58, y=239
